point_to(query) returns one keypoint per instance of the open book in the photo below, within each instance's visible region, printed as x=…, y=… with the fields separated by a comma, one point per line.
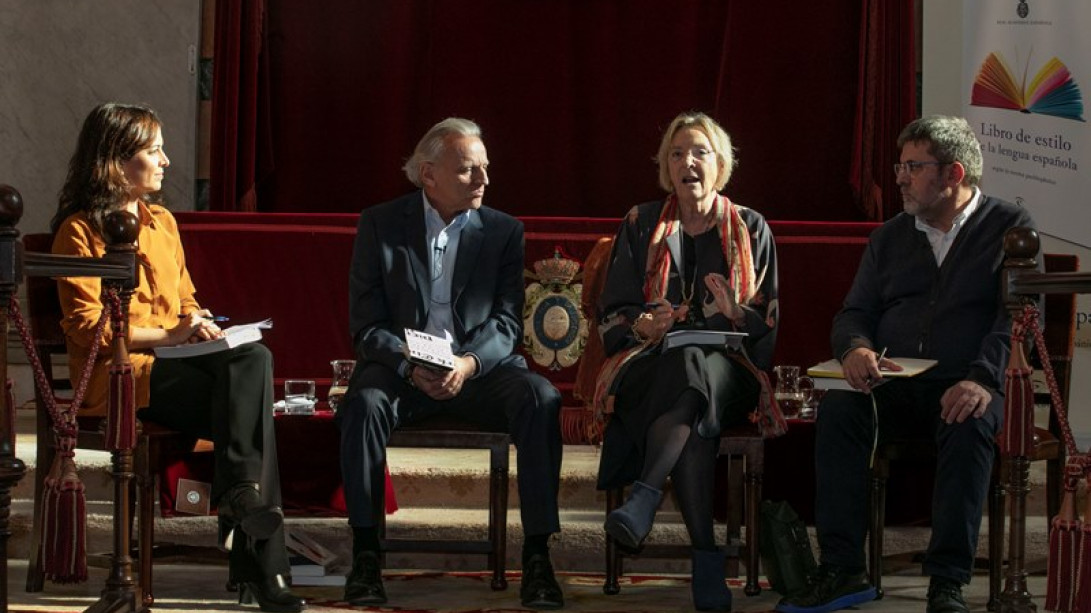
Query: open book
x=829, y=375
x=429, y=351
x=716, y=338
x=232, y=337
x=1051, y=92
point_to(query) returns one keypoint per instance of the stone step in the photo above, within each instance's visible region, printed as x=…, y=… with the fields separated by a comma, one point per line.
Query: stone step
x=444, y=478
x=440, y=492
x=580, y=546
x=449, y=478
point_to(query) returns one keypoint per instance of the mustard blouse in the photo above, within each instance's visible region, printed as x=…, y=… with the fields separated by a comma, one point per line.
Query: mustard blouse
x=164, y=292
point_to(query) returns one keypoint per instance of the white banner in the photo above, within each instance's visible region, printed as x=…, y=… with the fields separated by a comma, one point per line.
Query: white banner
x=1026, y=68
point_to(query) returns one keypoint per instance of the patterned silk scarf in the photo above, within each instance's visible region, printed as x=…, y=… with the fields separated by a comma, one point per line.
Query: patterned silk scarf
x=735, y=241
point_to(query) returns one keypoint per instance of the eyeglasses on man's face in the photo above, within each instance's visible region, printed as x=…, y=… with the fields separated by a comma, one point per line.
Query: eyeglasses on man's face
x=913, y=168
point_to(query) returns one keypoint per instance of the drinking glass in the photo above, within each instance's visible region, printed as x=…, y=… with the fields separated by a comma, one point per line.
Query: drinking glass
x=810, y=408
x=299, y=396
x=342, y=372
x=792, y=392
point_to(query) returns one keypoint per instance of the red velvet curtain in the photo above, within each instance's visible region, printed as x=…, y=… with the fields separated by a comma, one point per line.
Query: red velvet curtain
x=572, y=96
x=241, y=153
x=886, y=100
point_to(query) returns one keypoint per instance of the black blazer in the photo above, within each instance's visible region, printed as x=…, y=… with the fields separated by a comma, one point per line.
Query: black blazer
x=390, y=281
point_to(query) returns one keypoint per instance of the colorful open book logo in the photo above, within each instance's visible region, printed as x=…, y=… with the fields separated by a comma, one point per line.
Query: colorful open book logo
x=1051, y=92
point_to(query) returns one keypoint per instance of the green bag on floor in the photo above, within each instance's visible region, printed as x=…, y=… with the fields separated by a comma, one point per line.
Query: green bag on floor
x=785, y=548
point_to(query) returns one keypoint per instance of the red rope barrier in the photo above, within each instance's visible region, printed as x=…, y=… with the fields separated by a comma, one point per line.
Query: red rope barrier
x=1068, y=581
x=64, y=513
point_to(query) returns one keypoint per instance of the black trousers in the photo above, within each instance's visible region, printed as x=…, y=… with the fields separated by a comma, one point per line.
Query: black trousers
x=906, y=409
x=227, y=397
x=507, y=399
x=650, y=387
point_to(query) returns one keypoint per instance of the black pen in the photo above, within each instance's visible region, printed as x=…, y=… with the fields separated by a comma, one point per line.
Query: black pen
x=217, y=319
x=655, y=305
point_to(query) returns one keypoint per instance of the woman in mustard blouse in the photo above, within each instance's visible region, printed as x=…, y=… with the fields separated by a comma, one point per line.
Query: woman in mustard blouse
x=227, y=397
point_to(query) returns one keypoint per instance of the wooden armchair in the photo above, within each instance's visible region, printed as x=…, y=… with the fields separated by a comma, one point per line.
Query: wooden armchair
x=743, y=446
x=156, y=444
x=1059, y=333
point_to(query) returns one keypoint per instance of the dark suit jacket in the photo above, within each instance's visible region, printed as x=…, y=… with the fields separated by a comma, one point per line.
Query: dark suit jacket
x=390, y=282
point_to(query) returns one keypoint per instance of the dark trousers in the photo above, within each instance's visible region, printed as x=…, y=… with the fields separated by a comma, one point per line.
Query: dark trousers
x=507, y=399
x=227, y=397
x=906, y=409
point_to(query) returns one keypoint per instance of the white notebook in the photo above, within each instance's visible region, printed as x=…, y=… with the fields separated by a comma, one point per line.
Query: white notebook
x=233, y=337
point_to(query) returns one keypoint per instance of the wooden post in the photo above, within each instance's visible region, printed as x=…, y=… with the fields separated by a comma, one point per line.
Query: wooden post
x=1021, y=283
x=12, y=468
x=1020, y=248
x=121, y=592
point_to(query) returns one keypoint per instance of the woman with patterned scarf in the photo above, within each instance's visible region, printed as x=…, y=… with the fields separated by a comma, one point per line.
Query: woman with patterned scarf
x=694, y=260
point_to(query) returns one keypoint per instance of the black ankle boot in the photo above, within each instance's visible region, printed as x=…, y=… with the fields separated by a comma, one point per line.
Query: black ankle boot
x=709, y=591
x=244, y=507
x=630, y=523
x=272, y=594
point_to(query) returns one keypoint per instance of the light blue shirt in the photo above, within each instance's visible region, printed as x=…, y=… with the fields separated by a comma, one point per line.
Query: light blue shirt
x=941, y=241
x=442, y=242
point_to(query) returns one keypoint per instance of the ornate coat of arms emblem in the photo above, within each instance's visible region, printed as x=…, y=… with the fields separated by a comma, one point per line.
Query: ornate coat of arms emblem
x=554, y=329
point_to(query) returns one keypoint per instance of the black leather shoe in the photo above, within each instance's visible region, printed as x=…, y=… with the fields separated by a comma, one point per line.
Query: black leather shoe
x=364, y=585
x=945, y=596
x=540, y=589
x=832, y=589
x=245, y=508
x=271, y=594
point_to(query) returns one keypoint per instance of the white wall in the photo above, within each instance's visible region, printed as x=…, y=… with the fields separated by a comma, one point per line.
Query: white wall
x=59, y=58
x=942, y=86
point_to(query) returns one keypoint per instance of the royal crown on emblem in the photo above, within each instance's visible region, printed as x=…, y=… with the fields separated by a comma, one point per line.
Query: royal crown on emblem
x=557, y=270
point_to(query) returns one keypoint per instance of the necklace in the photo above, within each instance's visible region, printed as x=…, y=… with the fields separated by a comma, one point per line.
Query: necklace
x=687, y=296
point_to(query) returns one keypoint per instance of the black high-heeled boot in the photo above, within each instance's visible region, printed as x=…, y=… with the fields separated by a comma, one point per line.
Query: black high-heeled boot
x=272, y=594
x=710, y=593
x=245, y=508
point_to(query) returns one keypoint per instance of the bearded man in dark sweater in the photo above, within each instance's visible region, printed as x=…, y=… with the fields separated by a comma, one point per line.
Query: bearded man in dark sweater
x=928, y=287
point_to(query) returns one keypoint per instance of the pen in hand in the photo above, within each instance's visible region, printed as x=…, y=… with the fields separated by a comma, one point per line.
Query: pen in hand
x=872, y=381
x=219, y=319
